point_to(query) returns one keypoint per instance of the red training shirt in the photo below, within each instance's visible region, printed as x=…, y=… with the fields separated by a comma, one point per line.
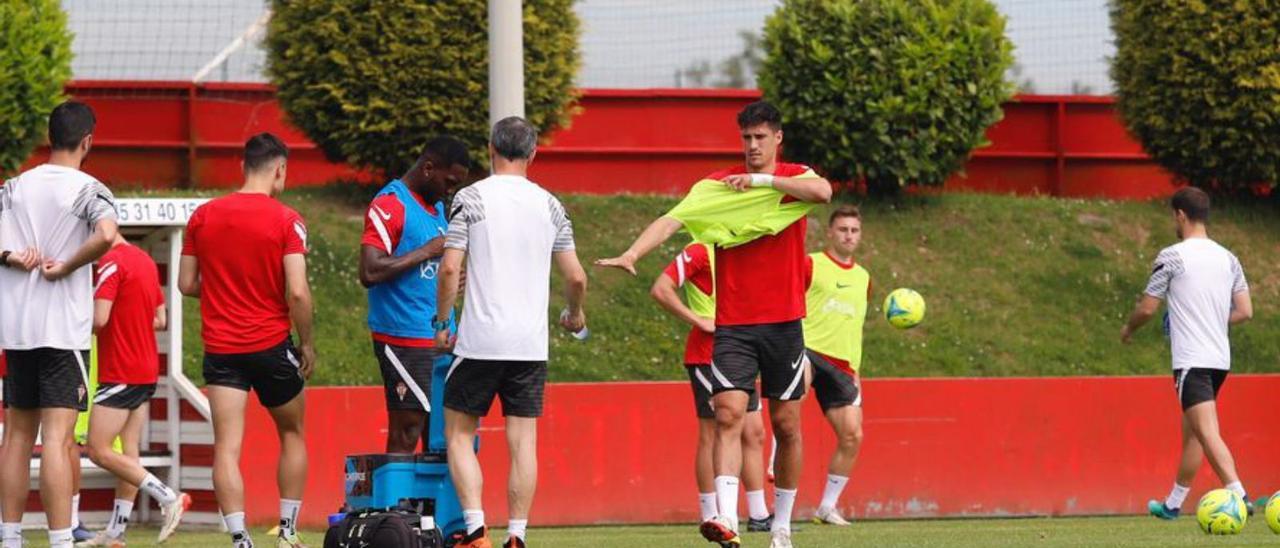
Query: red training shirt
x=127, y=343
x=383, y=226
x=240, y=241
x=693, y=266
x=763, y=281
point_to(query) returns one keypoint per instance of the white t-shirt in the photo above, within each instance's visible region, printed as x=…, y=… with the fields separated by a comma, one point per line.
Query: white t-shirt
x=1198, y=277
x=509, y=228
x=55, y=210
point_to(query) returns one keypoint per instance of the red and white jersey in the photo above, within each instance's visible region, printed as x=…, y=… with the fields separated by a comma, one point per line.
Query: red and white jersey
x=763, y=281
x=240, y=241
x=693, y=266
x=127, y=343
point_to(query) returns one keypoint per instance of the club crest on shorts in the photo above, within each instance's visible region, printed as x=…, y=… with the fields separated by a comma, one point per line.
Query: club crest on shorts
x=401, y=390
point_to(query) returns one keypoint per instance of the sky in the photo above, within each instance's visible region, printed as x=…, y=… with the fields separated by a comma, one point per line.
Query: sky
x=1060, y=45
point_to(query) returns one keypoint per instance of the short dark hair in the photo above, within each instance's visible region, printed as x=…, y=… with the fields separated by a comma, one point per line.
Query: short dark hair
x=760, y=112
x=847, y=210
x=514, y=138
x=445, y=151
x=70, y=123
x=1193, y=202
x=261, y=149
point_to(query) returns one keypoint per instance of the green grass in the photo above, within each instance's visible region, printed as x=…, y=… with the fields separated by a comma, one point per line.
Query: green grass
x=1015, y=286
x=1028, y=532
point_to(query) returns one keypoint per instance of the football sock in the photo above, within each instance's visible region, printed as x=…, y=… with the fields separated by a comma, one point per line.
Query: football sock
x=517, y=527
x=1176, y=496
x=831, y=493
x=61, y=538
x=120, y=512
x=235, y=525
x=1237, y=488
x=75, y=510
x=756, y=507
x=474, y=520
x=158, y=490
x=784, y=500
x=707, y=505
x=289, y=509
x=12, y=534
x=727, y=499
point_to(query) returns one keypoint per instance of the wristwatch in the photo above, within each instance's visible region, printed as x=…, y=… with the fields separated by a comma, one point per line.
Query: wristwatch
x=439, y=325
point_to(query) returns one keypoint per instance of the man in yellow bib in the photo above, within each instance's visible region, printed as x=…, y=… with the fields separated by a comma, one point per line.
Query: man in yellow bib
x=839, y=290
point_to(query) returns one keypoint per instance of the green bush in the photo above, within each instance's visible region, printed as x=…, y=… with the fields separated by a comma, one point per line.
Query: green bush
x=892, y=92
x=1198, y=83
x=35, y=62
x=370, y=80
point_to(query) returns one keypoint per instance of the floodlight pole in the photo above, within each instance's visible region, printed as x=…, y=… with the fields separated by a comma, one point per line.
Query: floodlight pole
x=506, y=59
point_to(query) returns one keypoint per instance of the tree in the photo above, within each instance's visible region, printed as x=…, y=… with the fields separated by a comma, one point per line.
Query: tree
x=370, y=80
x=35, y=64
x=892, y=92
x=1199, y=85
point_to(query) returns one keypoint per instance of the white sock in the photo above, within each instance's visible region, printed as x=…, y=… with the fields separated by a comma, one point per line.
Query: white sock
x=756, y=507
x=75, y=510
x=727, y=499
x=289, y=515
x=12, y=535
x=784, y=500
x=707, y=505
x=1176, y=496
x=517, y=527
x=234, y=523
x=158, y=490
x=831, y=493
x=1237, y=488
x=120, y=512
x=474, y=520
x=61, y=538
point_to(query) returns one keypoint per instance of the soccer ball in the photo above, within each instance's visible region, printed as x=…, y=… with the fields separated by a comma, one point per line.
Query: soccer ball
x=1222, y=512
x=904, y=308
x=1273, y=513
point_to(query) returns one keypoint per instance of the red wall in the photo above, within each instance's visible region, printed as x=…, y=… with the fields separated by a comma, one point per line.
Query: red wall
x=159, y=134
x=623, y=452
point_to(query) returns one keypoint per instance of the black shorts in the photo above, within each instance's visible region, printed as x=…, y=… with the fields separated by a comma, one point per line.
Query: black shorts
x=406, y=375
x=700, y=379
x=123, y=396
x=272, y=373
x=471, y=385
x=46, y=378
x=835, y=386
x=774, y=352
x=1198, y=385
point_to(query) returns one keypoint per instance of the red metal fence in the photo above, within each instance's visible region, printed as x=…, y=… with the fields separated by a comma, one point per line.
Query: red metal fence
x=623, y=452
x=160, y=134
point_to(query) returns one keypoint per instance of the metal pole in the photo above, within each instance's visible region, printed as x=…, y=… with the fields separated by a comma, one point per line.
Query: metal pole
x=506, y=59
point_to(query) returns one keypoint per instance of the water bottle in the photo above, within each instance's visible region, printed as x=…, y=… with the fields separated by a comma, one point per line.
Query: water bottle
x=580, y=335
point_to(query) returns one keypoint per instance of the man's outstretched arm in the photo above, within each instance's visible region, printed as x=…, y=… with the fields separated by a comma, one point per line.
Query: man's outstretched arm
x=659, y=231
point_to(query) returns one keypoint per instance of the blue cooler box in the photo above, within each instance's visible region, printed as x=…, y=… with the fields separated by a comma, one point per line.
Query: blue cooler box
x=382, y=481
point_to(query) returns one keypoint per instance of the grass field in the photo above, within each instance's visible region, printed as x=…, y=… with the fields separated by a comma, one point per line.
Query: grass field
x=1028, y=532
x=1015, y=286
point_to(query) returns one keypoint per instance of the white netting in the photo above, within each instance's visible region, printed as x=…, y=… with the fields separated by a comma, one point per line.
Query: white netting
x=1062, y=45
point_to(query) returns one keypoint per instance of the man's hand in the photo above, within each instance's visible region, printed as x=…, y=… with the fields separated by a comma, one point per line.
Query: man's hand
x=308, y=361
x=443, y=343
x=25, y=260
x=626, y=261
x=573, y=322
x=706, y=325
x=740, y=183
x=55, y=270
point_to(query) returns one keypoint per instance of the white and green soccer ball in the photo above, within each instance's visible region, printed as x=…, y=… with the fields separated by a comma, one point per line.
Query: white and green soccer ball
x=1222, y=512
x=904, y=308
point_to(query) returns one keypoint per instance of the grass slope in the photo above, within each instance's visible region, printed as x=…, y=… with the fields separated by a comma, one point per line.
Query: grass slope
x=1047, y=532
x=1015, y=286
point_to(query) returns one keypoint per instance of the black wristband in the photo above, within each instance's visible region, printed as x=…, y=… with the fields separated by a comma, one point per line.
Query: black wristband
x=4, y=258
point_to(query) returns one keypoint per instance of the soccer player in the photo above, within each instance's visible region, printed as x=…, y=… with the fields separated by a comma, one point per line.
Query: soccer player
x=54, y=221
x=128, y=309
x=244, y=257
x=1207, y=293
x=760, y=300
x=509, y=231
x=839, y=290
x=693, y=270
x=399, y=260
